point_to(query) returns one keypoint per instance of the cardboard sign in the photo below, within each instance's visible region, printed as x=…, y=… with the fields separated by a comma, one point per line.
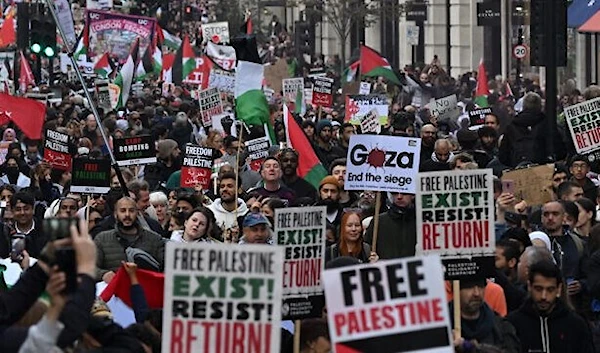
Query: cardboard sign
x=291, y=87
x=383, y=163
x=210, y=105
x=56, y=150
x=258, y=150
x=135, y=150
x=370, y=123
x=358, y=106
x=364, y=88
x=224, y=81
x=222, y=298
x=274, y=74
x=196, y=167
x=323, y=92
x=584, y=123
x=533, y=184
x=455, y=218
x=91, y=176
x=477, y=116
x=216, y=32
x=301, y=232
x=444, y=108
x=390, y=306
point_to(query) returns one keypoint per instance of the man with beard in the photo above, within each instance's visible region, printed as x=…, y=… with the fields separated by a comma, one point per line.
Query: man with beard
x=347, y=130
x=127, y=233
x=441, y=157
x=326, y=152
x=338, y=170
x=545, y=323
x=270, y=171
x=289, y=164
x=507, y=260
x=479, y=322
x=428, y=137
x=488, y=138
x=329, y=196
x=169, y=161
x=227, y=215
x=397, y=236
x=560, y=175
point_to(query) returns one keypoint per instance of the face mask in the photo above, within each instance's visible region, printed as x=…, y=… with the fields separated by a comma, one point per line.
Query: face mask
x=12, y=172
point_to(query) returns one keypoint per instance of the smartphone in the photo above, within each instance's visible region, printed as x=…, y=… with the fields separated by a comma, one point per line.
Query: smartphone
x=59, y=228
x=66, y=262
x=17, y=248
x=508, y=186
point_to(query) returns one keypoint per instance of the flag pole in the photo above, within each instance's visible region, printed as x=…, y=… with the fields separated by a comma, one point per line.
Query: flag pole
x=88, y=96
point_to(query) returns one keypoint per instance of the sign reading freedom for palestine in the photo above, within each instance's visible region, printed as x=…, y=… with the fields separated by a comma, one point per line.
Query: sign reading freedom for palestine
x=135, y=150
x=455, y=219
x=197, y=166
x=389, y=306
x=584, y=123
x=222, y=298
x=56, y=150
x=91, y=176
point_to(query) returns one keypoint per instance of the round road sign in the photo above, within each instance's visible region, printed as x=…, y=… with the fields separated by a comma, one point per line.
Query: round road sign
x=519, y=51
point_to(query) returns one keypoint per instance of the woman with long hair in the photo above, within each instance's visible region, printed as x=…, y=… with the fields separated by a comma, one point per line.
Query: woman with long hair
x=350, y=242
x=199, y=226
x=587, y=217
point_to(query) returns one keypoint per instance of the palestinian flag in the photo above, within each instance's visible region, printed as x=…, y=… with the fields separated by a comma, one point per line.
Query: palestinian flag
x=148, y=65
x=185, y=61
x=482, y=90
x=166, y=73
x=125, y=77
x=103, y=67
x=309, y=165
x=8, y=33
x=247, y=26
x=82, y=45
x=374, y=65
x=168, y=40
x=251, y=106
x=349, y=74
x=153, y=284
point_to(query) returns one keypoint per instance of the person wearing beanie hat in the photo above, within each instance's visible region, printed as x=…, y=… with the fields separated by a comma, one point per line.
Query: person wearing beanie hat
x=169, y=161
x=329, y=196
x=323, y=145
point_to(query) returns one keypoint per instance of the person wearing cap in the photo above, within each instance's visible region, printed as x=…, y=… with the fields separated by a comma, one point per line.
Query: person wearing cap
x=323, y=146
x=271, y=174
x=256, y=229
x=579, y=168
x=329, y=196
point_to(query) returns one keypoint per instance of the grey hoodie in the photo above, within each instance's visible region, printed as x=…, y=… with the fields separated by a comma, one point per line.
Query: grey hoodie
x=226, y=219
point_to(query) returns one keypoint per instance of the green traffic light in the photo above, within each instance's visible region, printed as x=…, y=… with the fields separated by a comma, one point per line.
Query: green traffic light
x=36, y=48
x=49, y=52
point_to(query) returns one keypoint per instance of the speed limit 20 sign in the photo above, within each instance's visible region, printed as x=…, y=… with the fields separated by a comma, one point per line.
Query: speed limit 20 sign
x=519, y=51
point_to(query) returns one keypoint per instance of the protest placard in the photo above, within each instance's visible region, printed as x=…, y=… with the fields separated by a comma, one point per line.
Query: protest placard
x=222, y=298
x=364, y=88
x=222, y=55
x=90, y=176
x=382, y=163
x=477, y=116
x=275, y=73
x=103, y=94
x=370, y=123
x=201, y=74
x=196, y=167
x=323, y=92
x=533, y=184
x=584, y=124
x=258, y=150
x=291, y=87
x=136, y=150
x=358, y=106
x=56, y=150
x=210, y=105
x=389, y=306
x=223, y=80
x=455, y=218
x=444, y=108
x=300, y=231
x=217, y=32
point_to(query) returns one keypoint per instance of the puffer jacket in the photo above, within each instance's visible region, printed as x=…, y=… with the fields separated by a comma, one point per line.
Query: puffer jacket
x=111, y=246
x=397, y=233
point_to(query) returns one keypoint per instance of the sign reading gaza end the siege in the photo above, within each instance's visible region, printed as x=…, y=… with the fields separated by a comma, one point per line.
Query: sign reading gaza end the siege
x=222, y=298
x=136, y=150
x=300, y=231
x=389, y=306
x=455, y=219
x=56, y=150
x=584, y=123
x=382, y=163
x=197, y=166
x=90, y=176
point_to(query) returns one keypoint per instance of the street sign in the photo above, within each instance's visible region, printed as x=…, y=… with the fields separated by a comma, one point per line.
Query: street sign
x=519, y=51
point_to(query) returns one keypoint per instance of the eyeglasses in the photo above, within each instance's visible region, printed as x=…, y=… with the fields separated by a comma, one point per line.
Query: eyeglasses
x=579, y=166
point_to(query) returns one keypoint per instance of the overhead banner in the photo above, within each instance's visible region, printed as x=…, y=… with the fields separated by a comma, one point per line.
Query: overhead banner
x=222, y=55
x=584, y=123
x=455, y=219
x=136, y=150
x=197, y=166
x=90, y=176
x=291, y=87
x=322, y=95
x=382, y=163
x=258, y=150
x=116, y=33
x=300, y=231
x=216, y=32
x=477, y=116
x=357, y=106
x=222, y=298
x=389, y=306
x=444, y=108
x=210, y=105
x=56, y=150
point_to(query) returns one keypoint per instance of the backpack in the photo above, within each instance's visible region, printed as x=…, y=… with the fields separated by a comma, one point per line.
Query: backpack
x=524, y=141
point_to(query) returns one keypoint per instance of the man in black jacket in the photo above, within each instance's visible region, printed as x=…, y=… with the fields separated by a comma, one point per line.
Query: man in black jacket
x=544, y=323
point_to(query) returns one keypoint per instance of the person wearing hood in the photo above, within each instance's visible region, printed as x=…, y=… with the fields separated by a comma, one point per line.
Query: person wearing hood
x=169, y=161
x=12, y=175
x=440, y=158
x=329, y=196
x=199, y=227
x=228, y=212
x=323, y=146
x=182, y=130
x=397, y=236
x=545, y=323
x=526, y=138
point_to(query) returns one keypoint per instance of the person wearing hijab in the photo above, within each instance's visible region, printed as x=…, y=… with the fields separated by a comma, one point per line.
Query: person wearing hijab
x=540, y=239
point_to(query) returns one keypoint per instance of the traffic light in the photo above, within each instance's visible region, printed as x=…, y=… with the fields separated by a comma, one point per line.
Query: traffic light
x=304, y=39
x=42, y=38
x=540, y=31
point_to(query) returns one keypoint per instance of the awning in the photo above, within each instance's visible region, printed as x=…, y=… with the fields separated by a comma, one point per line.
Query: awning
x=592, y=25
x=580, y=11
